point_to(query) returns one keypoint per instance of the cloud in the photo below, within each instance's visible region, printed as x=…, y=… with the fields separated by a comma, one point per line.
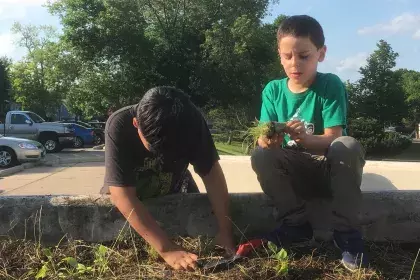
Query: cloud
x=405, y=23
x=352, y=63
x=17, y=9
x=6, y=46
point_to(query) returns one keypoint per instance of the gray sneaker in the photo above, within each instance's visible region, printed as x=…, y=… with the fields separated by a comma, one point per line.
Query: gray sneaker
x=351, y=245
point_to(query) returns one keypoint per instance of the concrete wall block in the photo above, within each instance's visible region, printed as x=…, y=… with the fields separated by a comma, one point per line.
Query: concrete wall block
x=28, y=217
x=385, y=216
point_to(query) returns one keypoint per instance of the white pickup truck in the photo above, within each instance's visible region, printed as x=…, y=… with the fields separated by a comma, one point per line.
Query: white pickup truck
x=28, y=125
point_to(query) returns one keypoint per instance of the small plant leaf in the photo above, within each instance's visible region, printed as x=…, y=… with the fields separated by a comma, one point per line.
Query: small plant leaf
x=102, y=250
x=273, y=247
x=282, y=255
x=42, y=273
x=283, y=269
x=47, y=252
x=71, y=261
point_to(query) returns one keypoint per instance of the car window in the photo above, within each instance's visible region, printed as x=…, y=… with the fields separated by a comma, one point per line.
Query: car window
x=35, y=118
x=18, y=119
x=84, y=124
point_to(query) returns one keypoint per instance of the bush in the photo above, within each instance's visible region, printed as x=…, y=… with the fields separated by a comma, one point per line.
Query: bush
x=394, y=142
x=370, y=133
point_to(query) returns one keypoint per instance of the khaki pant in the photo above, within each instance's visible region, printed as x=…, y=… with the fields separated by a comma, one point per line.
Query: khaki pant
x=291, y=178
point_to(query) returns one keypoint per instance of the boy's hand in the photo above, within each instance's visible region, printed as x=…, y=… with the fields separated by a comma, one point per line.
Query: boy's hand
x=178, y=259
x=273, y=142
x=296, y=130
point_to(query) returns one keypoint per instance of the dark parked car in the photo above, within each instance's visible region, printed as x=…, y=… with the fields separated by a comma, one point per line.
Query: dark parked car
x=99, y=135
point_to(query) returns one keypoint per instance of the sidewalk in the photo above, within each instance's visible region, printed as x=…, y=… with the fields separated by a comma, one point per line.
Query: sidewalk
x=87, y=178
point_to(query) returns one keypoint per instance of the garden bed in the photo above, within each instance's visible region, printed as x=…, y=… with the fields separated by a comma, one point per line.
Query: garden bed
x=130, y=258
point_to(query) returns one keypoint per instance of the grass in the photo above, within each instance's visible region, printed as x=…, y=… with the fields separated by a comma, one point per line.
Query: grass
x=130, y=258
x=235, y=149
x=411, y=153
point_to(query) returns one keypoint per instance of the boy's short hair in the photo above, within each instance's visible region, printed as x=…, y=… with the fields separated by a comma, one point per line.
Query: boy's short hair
x=302, y=26
x=163, y=115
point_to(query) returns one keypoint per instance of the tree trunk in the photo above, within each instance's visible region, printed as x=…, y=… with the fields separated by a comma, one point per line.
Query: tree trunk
x=230, y=138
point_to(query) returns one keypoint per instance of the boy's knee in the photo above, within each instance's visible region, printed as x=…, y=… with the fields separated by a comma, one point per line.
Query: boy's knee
x=345, y=146
x=265, y=159
x=259, y=159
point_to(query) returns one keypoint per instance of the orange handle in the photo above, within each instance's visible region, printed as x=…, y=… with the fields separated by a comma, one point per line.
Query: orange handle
x=245, y=248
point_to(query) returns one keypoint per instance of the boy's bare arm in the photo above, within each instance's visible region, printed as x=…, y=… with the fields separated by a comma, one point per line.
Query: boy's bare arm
x=216, y=187
x=322, y=142
x=297, y=132
x=125, y=199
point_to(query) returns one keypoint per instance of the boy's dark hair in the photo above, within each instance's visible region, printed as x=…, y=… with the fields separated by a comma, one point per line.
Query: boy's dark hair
x=164, y=115
x=302, y=26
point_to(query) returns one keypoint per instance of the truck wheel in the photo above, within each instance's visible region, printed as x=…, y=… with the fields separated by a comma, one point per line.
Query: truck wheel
x=7, y=157
x=97, y=140
x=78, y=142
x=50, y=143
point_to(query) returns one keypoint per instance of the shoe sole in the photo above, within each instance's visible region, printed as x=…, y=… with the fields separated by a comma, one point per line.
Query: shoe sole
x=351, y=269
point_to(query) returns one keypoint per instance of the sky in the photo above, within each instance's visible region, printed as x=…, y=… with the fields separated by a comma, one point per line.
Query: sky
x=352, y=28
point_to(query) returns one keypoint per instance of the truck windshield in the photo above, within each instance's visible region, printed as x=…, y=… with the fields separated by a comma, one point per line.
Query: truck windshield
x=35, y=117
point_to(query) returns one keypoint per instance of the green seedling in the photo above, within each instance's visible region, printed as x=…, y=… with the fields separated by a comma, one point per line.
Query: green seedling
x=282, y=268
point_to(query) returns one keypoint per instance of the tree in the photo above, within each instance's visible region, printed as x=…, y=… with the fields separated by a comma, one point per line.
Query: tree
x=219, y=52
x=36, y=82
x=240, y=60
x=354, y=106
x=378, y=94
x=4, y=83
x=410, y=83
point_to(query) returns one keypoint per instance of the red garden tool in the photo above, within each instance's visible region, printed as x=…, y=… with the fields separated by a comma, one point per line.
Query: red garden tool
x=243, y=250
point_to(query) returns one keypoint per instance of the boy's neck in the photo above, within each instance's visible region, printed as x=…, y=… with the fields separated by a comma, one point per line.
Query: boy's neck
x=300, y=87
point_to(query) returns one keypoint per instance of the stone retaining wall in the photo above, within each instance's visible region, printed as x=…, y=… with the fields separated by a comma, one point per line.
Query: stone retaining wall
x=385, y=216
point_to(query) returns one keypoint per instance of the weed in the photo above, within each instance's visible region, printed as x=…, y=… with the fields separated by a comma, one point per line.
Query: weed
x=282, y=268
x=261, y=129
x=130, y=257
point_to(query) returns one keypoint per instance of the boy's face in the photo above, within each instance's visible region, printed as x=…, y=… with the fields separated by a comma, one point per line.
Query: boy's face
x=300, y=57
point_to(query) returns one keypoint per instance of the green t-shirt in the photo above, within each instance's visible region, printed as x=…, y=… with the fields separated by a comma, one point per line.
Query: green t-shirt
x=321, y=106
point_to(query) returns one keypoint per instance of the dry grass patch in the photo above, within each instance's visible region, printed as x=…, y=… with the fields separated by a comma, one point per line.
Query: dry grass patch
x=130, y=258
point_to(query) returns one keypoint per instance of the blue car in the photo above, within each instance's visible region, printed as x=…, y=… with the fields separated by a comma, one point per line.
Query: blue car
x=84, y=135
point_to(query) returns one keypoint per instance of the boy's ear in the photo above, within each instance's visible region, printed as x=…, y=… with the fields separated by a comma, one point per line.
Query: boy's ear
x=322, y=52
x=135, y=124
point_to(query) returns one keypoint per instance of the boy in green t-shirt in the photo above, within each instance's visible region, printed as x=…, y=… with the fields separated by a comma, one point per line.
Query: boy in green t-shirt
x=314, y=158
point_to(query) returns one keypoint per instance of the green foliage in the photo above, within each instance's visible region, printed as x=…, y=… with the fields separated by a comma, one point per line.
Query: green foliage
x=70, y=267
x=375, y=141
x=395, y=142
x=218, y=51
x=410, y=83
x=368, y=131
x=282, y=257
x=378, y=94
x=5, y=84
x=36, y=80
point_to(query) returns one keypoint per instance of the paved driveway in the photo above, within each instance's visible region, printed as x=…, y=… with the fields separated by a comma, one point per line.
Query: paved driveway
x=71, y=176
